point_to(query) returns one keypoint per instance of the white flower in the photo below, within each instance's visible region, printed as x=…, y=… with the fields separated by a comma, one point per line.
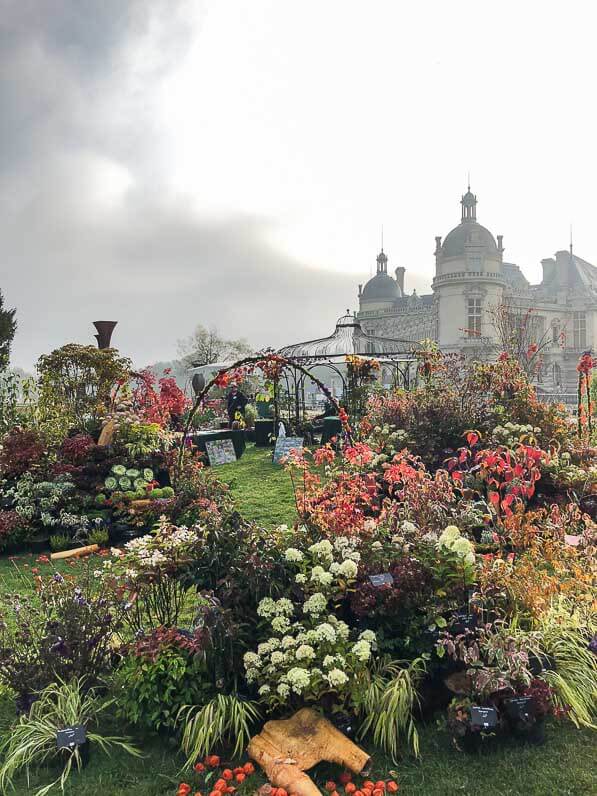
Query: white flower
x=409, y=527
x=376, y=545
x=367, y=635
x=264, y=648
x=342, y=630
x=283, y=690
x=362, y=650
x=300, y=578
x=277, y=657
x=252, y=674
x=280, y=624
x=329, y=661
x=265, y=689
x=305, y=652
x=316, y=604
x=298, y=679
x=322, y=549
x=348, y=569
x=251, y=659
x=266, y=607
x=336, y=677
x=284, y=607
x=319, y=575
x=293, y=555
x=325, y=632
x=288, y=642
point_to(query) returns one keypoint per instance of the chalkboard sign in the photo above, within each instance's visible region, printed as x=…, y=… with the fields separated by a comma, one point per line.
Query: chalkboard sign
x=71, y=737
x=484, y=717
x=461, y=623
x=284, y=445
x=220, y=451
x=387, y=579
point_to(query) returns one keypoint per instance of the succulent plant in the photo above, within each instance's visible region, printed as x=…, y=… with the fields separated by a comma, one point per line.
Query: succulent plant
x=148, y=474
x=132, y=473
x=140, y=483
x=119, y=469
x=125, y=483
x=110, y=482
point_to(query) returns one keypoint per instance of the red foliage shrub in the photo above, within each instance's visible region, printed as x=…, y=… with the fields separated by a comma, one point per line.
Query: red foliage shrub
x=21, y=450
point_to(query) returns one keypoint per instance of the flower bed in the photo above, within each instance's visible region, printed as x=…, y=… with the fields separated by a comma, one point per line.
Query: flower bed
x=447, y=584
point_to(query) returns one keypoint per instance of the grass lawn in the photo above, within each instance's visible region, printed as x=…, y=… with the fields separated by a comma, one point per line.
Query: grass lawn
x=263, y=493
x=262, y=490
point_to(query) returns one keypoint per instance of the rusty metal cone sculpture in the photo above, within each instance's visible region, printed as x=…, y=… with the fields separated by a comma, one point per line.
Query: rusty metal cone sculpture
x=104, y=335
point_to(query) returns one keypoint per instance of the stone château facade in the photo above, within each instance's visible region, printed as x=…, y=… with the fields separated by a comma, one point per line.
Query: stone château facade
x=471, y=278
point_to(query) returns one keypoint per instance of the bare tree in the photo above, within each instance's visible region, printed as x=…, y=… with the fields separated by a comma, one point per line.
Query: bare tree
x=206, y=346
x=520, y=334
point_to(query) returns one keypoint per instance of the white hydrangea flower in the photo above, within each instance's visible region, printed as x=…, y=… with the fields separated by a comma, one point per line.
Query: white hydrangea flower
x=300, y=578
x=342, y=630
x=362, y=650
x=284, y=607
x=334, y=567
x=251, y=659
x=316, y=604
x=252, y=675
x=348, y=569
x=305, y=652
x=280, y=624
x=368, y=635
x=283, y=690
x=293, y=555
x=377, y=545
x=265, y=689
x=325, y=632
x=319, y=575
x=336, y=678
x=264, y=648
x=266, y=607
x=277, y=657
x=288, y=642
x=409, y=527
x=329, y=661
x=322, y=549
x=298, y=678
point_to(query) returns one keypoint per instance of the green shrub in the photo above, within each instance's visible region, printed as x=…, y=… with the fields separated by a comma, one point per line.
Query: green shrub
x=60, y=542
x=99, y=537
x=164, y=671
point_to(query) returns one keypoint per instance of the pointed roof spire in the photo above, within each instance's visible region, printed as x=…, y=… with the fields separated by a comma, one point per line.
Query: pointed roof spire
x=469, y=205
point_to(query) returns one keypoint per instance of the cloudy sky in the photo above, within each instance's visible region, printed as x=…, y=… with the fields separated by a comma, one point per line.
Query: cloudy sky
x=231, y=162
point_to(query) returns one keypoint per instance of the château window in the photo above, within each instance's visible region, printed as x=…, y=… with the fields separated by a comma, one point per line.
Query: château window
x=580, y=329
x=555, y=332
x=474, y=317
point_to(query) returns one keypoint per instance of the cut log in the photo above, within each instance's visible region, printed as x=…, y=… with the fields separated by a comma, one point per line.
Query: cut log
x=286, y=749
x=78, y=552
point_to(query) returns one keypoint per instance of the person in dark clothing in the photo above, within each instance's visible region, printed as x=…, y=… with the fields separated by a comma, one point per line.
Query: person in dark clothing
x=236, y=403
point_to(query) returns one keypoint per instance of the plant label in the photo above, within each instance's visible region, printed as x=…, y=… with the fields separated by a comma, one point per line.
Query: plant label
x=286, y=444
x=484, y=717
x=220, y=451
x=520, y=707
x=386, y=579
x=71, y=737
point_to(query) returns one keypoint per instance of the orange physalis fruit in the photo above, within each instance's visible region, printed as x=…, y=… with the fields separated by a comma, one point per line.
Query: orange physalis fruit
x=199, y=767
x=241, y=776
x=391, y=786
x=248, y=768
x=227, y=774
x=380, y=784
x=330, y=786
x=212, y=761
x=350, y=787
x=377, y=792
x=282, y=792
x=358, y=793
x=183, y=789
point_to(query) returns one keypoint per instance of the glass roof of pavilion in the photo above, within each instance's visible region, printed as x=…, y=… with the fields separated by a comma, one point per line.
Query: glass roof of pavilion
x=348, y=339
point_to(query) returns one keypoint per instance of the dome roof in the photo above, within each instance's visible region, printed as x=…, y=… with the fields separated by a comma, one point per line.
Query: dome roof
x=381, y=286
x=468, y=233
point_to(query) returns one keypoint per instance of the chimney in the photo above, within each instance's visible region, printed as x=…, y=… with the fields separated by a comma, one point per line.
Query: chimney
x=438, y=244
x=500, y=241
x=104, y=332
x=360, y=290
x=400, y=277
x=549, y=269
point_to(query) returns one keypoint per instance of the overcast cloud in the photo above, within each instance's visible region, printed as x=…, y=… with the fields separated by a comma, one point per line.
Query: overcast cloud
x=165, y=163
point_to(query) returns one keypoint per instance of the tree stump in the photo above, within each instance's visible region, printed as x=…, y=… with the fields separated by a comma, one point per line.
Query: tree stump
x=286, y=749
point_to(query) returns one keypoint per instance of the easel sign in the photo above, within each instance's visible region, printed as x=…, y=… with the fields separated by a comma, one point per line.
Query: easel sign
x=220, y=451
x=284, y=445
